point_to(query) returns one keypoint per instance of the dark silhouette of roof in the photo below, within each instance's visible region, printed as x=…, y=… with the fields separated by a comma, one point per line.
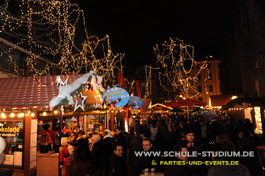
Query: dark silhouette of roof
x=252, y=101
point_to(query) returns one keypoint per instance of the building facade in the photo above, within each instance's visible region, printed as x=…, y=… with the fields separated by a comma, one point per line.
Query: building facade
x=243, y=61
x=208, y=81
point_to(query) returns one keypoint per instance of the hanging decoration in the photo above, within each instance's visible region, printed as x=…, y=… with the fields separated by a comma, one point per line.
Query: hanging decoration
x=99, y=103
x=67, y=92
x=135, y=102
x=116, y=97
x=179, y=69
x=60, y=83
x=148, y=80
x=80, y=102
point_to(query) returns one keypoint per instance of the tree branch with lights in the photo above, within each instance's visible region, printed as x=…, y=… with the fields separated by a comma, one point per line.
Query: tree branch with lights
x=178, y=68
x=45, y=31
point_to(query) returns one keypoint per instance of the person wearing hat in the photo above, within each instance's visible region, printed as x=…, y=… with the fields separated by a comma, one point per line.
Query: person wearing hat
x=189, y=140
x=192, y=145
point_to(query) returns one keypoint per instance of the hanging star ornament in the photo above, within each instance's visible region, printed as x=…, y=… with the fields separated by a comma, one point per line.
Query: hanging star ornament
x=98, y=104
x=80, y=102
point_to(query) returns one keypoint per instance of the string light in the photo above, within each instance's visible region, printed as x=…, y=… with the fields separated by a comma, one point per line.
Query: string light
x=177, y=63
x=45, y=30
x=12, y=114
x=3, y=115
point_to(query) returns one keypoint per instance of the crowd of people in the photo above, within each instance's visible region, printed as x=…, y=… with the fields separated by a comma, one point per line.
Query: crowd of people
x=105, y=154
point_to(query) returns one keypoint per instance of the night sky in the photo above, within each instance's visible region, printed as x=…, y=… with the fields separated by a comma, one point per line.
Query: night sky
x=136, y=26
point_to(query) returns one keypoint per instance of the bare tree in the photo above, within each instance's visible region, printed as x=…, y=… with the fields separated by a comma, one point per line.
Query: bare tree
x=178, y=69
x=52, y=35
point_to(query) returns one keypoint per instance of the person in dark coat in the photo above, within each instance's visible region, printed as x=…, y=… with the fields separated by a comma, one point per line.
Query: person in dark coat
x=147, y=132
x=121, y=139
x=253, y=164
x=106, y=149
x=95, y=162
x=192, y=145
x=83, y=152
x=225, y=170
x=190, y=141
x=136, y=145
x=118, y=166
x=248, y=127
x=179, y=170
x=145, y=162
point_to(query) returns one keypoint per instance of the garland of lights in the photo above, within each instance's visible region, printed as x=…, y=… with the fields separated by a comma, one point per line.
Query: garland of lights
x=45, y=31
x=148, y=80
x=179, y=68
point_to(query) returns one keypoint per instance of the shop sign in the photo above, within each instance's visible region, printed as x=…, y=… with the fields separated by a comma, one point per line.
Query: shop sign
x=8, y=131
x=116, y=97
x=135, y=102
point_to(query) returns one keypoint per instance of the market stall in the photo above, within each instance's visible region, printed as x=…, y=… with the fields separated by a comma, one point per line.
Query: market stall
x=26, y=108
x=248, y=108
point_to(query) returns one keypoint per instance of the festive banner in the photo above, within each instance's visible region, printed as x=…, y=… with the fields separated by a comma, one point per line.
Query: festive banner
x=116, y=97
x=135, y=102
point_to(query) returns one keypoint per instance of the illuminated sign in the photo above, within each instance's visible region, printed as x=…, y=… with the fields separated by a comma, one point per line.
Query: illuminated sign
x=116, y=97
x=135, y=102
x=10, y=130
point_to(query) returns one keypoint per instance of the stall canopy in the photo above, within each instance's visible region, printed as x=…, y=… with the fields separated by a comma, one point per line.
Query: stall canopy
x=252, y=101
x=187, y=102
x=30, y=91
x=158, y=108
x=217, y=101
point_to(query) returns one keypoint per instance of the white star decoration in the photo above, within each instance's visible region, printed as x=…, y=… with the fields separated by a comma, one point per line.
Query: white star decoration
x=81, y=104
x=98, y=104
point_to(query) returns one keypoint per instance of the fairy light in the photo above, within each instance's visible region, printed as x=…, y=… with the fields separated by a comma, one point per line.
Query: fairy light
x=20, y=115
x=173, y=57
x=3, y=115
x=49, y=27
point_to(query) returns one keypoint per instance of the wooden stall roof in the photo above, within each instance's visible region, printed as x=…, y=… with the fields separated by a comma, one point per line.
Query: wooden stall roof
x=31, y=91
x=160, y=106
x=220, y=100
x=251, y=101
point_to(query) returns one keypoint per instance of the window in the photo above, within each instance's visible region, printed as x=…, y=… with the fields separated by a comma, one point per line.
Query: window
x=199, y=88
x=200, y=99
x=210, y=77
x=210, y=88
x=12, y=131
